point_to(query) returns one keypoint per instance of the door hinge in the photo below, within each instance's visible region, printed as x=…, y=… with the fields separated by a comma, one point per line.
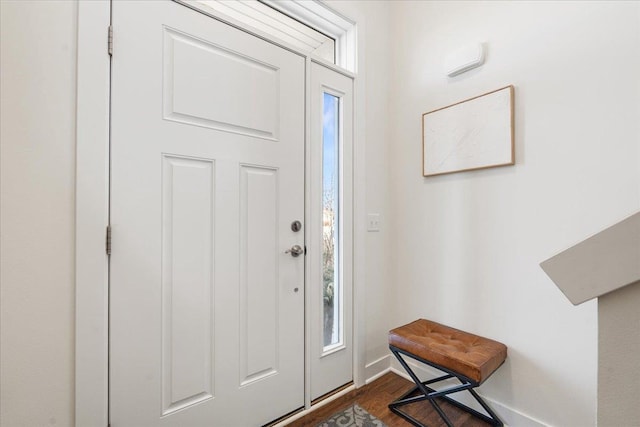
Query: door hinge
x=108, y=240
x=110, y=41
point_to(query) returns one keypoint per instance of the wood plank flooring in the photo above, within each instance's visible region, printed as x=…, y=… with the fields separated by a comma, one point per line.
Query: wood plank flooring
x=374, y=398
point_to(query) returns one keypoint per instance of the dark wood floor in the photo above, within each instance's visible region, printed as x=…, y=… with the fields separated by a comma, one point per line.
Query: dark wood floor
x=374, y=398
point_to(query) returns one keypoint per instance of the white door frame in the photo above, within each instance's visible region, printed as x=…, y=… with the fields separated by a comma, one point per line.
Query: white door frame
x=92, y=215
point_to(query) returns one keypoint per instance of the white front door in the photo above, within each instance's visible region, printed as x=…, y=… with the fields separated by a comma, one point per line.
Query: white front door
x=207, y=175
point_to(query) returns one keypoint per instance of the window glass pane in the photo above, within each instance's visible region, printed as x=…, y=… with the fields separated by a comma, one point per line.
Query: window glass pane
x=331, y=286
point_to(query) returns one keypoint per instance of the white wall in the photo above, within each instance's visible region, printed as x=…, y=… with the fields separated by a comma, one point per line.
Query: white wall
x=467, y=246
x=38, y=57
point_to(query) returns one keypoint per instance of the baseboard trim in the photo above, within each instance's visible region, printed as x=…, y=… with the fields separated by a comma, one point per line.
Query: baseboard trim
x=510, y=416
x=385, y=364
x=377, y=368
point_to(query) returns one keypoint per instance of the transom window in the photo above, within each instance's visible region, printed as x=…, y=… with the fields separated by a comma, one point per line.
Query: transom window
x=308, y=26
x=265, y=18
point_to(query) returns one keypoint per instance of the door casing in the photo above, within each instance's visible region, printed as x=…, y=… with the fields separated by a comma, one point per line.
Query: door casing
x=92, y=213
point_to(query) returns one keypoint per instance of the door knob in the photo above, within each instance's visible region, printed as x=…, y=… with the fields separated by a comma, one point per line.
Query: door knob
x=295, y=251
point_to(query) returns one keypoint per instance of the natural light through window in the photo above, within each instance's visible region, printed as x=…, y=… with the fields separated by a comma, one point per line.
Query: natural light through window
x=332, y=301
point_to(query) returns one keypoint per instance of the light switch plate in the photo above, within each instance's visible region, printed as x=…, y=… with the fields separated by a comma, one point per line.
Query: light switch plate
x=373, y=222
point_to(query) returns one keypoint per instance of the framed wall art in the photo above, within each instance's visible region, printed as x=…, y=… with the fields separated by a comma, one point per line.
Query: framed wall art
x=476, y=133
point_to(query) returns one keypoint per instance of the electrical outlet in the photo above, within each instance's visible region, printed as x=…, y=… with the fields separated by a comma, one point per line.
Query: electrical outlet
x=373, y=222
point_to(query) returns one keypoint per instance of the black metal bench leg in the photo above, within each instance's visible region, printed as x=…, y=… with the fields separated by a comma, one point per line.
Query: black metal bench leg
x=430, y=394
x=422, y=388
x=493, y=415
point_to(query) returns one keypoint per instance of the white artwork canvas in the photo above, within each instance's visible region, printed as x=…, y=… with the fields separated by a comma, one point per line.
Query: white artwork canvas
x=474, y=134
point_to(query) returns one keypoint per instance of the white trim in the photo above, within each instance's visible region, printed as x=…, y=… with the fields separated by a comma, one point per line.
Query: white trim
x=318, y=15
x=377, y=368
x=307, y=220
x=333, y=67
x=378, y=375
x=92, y=196
x=359, y=180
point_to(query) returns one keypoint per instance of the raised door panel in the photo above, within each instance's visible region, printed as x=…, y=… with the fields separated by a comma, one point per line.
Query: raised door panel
x=187, y=282
x=259, y=273
x=197, y=72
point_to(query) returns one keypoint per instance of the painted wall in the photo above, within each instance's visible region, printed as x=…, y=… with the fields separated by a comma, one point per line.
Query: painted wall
x=467, y=246
x=377, y=285
x=38, y=56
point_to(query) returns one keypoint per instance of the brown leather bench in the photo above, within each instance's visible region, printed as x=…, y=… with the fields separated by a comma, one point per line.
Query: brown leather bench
x=469, y=358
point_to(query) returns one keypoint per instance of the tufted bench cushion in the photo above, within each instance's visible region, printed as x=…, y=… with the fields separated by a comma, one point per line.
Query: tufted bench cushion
x=470, y=355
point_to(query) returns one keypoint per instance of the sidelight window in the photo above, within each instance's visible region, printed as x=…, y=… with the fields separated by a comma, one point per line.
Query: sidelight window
x=332, y=289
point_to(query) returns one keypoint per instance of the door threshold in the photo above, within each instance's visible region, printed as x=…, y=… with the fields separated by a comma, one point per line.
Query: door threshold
x=316, y=404
x=279, y=421
x=331, y=393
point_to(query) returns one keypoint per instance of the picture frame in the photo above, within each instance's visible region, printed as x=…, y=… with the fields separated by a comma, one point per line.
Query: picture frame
x=477, y=133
